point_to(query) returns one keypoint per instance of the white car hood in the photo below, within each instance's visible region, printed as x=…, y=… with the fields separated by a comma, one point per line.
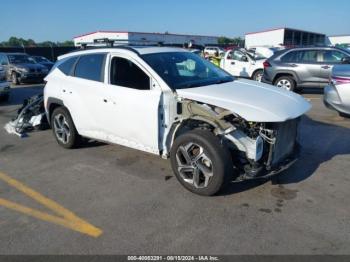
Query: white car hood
x=253, y=101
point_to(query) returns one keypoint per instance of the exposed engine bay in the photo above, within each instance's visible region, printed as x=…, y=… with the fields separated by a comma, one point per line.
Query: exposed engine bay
x=257, y=148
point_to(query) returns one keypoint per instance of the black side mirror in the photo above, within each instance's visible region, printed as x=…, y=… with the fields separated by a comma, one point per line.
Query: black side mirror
x=345, y=60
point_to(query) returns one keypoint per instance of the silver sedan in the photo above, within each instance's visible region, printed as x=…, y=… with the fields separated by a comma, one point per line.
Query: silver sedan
x=337, y=93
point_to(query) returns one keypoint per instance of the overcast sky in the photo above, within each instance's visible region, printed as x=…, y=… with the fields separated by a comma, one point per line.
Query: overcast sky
x=59, y=20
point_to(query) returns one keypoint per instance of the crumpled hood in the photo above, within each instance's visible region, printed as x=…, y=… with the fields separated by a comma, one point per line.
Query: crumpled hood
x=253, y=101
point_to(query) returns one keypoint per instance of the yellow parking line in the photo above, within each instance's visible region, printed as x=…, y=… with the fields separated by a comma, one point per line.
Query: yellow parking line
x=313, y=98
x=68, y=219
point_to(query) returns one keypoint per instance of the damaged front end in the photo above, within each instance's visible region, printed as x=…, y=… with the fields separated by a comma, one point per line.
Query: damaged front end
x=259, y=150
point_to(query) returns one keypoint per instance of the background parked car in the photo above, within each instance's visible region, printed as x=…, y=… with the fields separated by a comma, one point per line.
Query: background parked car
x=337, y=93
x=20, y=68
x=4, y=85
x=241, y=64
x=213, y=51
x=43, y=61
x=303, y=67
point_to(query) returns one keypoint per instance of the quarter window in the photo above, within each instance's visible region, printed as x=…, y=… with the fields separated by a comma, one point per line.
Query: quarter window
x=125, y=73
x=67, y=66
x=90, y=67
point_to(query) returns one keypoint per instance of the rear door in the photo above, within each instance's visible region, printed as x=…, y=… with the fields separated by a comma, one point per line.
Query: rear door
x=307, y=66
x=329, y=58
x=82, y=91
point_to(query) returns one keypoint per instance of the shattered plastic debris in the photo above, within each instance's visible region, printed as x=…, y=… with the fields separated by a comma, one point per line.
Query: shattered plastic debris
x=30, y=116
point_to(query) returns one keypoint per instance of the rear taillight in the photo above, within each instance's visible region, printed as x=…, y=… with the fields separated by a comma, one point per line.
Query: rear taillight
x=336, y=80
x=266, y=64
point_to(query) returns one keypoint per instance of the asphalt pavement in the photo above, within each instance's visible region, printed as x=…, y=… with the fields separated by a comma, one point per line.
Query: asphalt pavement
x=108, y=199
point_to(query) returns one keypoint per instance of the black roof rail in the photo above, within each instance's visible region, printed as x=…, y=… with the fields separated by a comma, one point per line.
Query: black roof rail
x=106, y=47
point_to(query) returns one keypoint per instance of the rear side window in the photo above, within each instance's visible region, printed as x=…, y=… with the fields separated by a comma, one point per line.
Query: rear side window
x=125, y=73
x=90, y=67
x=67, y=66
x=304, y=56
x=309, y=56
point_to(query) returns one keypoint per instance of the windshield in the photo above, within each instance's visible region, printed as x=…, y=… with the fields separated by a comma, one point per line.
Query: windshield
x=20, y=59
x=184, y=70
x=40, y=59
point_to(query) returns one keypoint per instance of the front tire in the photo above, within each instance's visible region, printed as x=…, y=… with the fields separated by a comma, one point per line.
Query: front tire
x=201, y=163
x=64, y=129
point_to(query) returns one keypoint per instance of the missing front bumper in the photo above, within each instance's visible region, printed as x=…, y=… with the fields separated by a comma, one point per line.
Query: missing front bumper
x=265, y=173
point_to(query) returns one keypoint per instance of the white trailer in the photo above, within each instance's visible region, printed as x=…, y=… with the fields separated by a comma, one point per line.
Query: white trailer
x=283, y=37
x=339, y=40
x=125, y=37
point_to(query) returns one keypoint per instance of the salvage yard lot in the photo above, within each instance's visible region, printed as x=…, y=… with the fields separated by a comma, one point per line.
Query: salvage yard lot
x=140, y=208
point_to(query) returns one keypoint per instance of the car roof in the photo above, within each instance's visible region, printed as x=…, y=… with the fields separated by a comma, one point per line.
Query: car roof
x=14, y=53
x=139, y=50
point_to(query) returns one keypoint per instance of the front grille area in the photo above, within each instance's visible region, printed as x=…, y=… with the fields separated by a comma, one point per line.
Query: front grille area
x=286, y=136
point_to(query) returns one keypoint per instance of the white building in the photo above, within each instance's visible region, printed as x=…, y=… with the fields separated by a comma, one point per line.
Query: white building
x=339, y=40
x=124, y=37
x=283, y=37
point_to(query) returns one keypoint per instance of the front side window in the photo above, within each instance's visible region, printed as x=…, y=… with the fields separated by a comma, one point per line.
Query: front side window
x=237, y=55
x=185, y=70
x=127, y=74
x=90, y=67
x=333, y=56
x=3, y=60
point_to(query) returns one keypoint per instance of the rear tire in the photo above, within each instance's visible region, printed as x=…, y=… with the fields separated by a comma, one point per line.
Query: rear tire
x=201, y=163
x=285, y=82
x=64, y=129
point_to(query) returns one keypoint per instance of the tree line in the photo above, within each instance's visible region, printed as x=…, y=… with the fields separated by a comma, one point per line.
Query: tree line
x=223, y=40
x=20, y=42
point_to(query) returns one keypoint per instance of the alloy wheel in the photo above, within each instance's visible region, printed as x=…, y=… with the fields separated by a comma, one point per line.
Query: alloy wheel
x=285, y=84
x=193, y=165
x=62, y=129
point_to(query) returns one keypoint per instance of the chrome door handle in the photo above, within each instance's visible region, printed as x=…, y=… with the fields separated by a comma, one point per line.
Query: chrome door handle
x=293, y=65
x=325, y=67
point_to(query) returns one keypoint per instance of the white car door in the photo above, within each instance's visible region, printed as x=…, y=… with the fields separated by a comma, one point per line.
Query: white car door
x=82, y=91
x=240, y=64
x=129, y=109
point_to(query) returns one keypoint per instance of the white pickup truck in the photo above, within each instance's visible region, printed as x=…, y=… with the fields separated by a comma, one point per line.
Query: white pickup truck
x=241, y=64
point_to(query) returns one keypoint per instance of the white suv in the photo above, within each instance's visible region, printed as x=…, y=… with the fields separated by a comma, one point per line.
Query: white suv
x=173, y=103
x=213, y=51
